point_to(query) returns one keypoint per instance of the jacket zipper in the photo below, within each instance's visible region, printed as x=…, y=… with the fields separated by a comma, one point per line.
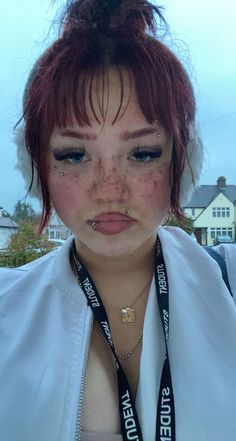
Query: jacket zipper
x=78, y=429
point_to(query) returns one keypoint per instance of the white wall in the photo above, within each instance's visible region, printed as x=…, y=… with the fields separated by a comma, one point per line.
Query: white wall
x=206, y=219
x=5, y=235
x=189, y=213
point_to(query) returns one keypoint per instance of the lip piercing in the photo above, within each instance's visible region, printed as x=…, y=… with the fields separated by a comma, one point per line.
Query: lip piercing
x=127, y=211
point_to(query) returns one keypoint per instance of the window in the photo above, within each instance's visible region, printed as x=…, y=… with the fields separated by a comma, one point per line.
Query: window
x=68, y=234
x=193, y=211
x=221, y=232
x=58, y=235
x=51, y=234
x=220, y=212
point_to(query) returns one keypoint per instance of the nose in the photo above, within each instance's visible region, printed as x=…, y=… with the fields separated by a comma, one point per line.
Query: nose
x=109, y=183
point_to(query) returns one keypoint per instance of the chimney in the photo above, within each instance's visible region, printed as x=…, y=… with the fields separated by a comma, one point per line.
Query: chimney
x=221, y=182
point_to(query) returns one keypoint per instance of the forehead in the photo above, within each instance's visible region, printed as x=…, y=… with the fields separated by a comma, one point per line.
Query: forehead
x=109, y=96
x=112, y=109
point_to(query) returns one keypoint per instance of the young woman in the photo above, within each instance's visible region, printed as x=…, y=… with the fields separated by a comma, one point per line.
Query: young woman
x=129, y=331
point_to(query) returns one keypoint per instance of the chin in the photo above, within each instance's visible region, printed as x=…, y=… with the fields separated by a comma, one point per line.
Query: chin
x=113, y=249
x=112, y=246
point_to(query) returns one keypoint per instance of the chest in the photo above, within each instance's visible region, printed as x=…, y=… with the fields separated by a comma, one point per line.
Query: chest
x=101, y=402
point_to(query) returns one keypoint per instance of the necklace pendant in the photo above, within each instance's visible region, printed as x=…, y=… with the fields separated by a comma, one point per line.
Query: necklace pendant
x=127, y=314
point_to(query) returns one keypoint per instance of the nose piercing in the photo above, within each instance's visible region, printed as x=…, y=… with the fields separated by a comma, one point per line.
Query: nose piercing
x=62, y=174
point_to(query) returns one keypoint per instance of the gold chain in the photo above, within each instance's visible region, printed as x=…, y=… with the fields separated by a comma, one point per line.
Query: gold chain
x=120, y=356
x=114, y=305
x=128, y=313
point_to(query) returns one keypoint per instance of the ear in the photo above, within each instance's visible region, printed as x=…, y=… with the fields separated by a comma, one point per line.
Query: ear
x=192, y=167
x=24, y=164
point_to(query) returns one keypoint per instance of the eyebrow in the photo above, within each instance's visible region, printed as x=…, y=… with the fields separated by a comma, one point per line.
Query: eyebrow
x=138, y=133
x=79, y=135
x=125, y=136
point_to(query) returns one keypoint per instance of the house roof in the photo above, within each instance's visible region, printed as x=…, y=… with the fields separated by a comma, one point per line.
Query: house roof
x=7, y=222
x=205, y=194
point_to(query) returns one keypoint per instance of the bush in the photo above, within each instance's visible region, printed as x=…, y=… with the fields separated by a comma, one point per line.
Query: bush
x=25, y=246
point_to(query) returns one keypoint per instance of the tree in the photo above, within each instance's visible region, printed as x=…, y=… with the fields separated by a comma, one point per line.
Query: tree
x=25, y=246
x=5, y=213
x=187, y=224
x=23, y=212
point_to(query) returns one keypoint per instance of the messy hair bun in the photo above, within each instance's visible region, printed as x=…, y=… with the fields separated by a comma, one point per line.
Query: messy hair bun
x=112, y=18
x=96, y=35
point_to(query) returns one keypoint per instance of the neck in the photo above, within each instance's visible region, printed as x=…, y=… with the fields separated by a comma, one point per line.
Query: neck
x=112, y=267
x=120, y=279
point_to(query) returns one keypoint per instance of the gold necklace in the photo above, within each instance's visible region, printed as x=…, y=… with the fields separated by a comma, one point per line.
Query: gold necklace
x=128, y=354
x=127, y=313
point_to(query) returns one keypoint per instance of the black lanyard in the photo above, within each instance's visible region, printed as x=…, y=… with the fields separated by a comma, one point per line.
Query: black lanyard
x=165, y=424
x=130, y=427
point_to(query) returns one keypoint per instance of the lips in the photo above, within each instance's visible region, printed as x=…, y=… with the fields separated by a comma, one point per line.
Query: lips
x=111, y=223
x=112, y=217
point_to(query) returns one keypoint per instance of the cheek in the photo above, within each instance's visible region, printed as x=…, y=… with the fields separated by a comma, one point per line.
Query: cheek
x=154, y=186
x=66, y=192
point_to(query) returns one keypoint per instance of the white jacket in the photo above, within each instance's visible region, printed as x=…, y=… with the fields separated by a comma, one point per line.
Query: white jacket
x=45, y=325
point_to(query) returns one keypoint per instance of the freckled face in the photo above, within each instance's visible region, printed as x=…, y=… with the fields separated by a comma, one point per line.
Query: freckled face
x=99, y=172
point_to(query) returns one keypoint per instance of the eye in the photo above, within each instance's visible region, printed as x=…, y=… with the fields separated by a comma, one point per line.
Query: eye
x=142, y=154
x=72, y=156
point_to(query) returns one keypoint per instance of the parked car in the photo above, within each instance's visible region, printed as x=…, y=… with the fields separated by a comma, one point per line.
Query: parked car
x=58, y=242
x=223, y=239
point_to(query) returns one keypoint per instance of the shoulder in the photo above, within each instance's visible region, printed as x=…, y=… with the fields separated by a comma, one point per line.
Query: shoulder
x=179, y=245
x=228, y=252
x=175, y=236
x=52, y=270
x=12, y=275
x=27, y=268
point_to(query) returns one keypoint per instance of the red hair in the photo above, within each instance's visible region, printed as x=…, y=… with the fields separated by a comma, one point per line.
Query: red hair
x=63, y=77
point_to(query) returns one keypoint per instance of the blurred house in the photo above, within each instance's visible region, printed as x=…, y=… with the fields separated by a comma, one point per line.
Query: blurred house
x=56, y=230
x=7, y=227
x=213, y=209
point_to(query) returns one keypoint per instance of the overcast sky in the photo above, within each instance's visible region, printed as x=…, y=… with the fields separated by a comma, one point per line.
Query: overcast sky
x=203, y=34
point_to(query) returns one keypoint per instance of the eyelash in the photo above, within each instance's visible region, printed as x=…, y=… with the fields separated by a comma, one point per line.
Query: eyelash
x=72, y=156
x=140, y=154
x=153, y=154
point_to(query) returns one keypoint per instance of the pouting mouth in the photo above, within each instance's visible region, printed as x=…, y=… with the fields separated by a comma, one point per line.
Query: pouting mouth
x=111, y=223
x=112, y=217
